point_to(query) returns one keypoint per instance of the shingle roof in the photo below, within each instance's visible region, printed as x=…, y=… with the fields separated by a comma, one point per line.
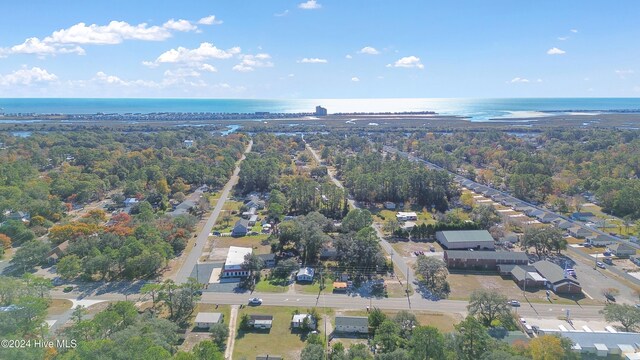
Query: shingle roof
x=207, y=317
x=486, y=255
x=352, y=320
x=621, y=246
x=551, y=272
x=467, y=235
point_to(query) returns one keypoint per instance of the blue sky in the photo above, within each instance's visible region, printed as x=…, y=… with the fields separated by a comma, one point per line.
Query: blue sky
x=319, y=49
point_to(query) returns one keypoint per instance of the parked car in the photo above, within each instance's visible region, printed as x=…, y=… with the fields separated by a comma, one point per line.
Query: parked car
x=514, y=303
x=255, y=301
x=600, y=265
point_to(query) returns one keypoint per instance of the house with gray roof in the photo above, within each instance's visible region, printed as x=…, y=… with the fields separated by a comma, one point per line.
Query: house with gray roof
x=622, y=250
x=241, y=228
x=204, y=320
x=546, y=217
x=465, y=239
x=579, y=232
x=601, y=240
x=352, y=324
x=557, y=279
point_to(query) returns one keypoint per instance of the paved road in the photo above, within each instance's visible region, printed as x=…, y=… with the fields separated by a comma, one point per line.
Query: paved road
x=346, y=302
x=196, y=252
x=398, y=260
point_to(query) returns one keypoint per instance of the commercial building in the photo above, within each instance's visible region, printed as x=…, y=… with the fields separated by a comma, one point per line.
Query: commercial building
x=600, y=343
x=557, y=279
x=320, y=111
x=233, y=264
x=483, y=260
x=466, y=239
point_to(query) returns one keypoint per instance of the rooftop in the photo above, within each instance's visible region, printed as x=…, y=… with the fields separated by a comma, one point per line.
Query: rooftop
x=207, y=317
x=352, y=320
x=487, y=255
x=467, y=235
x=551, y=271
x=236, y=255
x=598, y=338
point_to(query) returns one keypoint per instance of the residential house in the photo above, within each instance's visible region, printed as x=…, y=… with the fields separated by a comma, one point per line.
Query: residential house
x=635, y=260
x=305, y=274
x=483, y=260
x=58, y=252
x=204, y=320
x=534, y=212
x=268, y=259
x=406, y=216
x=248, y=214
x=233, y=264
x=465, y=239
x=582, y=216
x=557, y=278
x=261, y=321
x=352, y=324
x=253, y=220
x=622, y=250
x=562, y=224
x=18, y=215
x=298, y=321
x=601, y=240
x=188, y=143
x=546, y=217
x=183, y=208
x=389, y=205
x=241, y=228
x=579, y=232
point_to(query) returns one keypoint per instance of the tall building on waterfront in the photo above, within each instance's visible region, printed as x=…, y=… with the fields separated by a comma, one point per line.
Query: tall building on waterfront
x=320, y=111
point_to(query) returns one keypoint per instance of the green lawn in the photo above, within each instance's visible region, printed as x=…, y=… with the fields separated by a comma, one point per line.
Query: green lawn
x=314, y=288
x=279, y=340
x=270, y=286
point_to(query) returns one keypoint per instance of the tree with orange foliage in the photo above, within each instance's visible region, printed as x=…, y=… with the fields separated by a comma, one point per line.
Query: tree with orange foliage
x=546, y=347
x=95, y=216
x=61, y=233
x=5, y=241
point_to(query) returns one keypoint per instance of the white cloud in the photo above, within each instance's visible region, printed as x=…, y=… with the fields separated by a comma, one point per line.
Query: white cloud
x=518, y=80
x=150, y=64
x=250, y=62
x=208, y=68
x=313, y=61
x=408, y=62
x=179, y=25
x=574, y=31
x=624, y=73
x=115, y=80
x=310, y=5
x=555, y=51
x=355, y=79
x=203, y=52
x=369, y=51
x=27, y=76
x=563, y=38
x=284, y=13
x=209, y=20
x=348, y=56
x=65, y=41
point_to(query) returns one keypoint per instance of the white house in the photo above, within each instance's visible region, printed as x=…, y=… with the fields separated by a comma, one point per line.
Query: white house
x=305, y=274
x=579, y=232
x=601, y=240
x=233, y=264
x=622, y=250
x=405, y=216
x=298, y=321
x=352, y=324
x=204, y=320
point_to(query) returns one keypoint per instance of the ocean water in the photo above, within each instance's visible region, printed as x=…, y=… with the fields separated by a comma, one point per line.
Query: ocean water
x=474, y=109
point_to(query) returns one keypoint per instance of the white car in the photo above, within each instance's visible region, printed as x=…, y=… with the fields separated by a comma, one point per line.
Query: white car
x=600, y=265
x=255, y=301
x=514, y=303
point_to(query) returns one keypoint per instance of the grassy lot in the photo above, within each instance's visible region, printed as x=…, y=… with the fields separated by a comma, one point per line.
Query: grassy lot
x=232, y=205
x=314, y=288
x=443, y=321
x=58, y=306
x=254, y=242
x=464, y=283
x=618, y=227
x=406, y=248
x=279, y=340
x=272, y=286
